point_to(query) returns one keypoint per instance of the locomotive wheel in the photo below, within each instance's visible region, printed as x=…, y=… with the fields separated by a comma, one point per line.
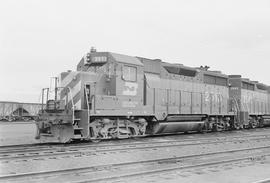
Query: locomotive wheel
x=252, y=124
x=220, y=126
x=236, y=126
x=119, y=133
x=116, y=128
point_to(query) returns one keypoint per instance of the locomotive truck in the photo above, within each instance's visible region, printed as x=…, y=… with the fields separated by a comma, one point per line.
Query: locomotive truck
x=113, y=95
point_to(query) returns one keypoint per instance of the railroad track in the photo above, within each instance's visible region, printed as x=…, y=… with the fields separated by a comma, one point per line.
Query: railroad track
x=263, y=181
x=6, y=156
x=147, y=139
x=133, y=169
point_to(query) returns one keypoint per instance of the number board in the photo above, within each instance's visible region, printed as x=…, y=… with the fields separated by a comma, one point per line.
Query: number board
x=99, y=59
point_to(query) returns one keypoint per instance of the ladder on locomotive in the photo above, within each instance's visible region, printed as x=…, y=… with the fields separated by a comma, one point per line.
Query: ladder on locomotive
x=75, y=117
x=237, y=112
x=87, y=98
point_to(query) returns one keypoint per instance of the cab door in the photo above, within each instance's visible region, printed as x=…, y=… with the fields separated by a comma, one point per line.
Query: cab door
x=130, y=87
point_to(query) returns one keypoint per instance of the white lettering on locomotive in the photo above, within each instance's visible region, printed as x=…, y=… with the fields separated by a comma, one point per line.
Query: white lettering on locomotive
x=130, y=88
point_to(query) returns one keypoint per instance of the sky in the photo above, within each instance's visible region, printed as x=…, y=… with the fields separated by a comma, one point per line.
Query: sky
x=39, y=39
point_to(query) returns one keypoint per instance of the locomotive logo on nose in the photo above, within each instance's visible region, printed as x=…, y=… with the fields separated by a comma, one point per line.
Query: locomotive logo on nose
x=130, y=88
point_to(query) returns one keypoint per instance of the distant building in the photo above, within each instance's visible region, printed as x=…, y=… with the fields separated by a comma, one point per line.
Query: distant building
x=18, y=111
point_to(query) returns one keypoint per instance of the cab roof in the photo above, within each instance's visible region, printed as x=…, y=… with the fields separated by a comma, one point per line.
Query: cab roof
x=126, y=59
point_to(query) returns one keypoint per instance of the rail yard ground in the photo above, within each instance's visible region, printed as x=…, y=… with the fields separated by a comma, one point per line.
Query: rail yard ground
x=13, y=133
x=233, y=156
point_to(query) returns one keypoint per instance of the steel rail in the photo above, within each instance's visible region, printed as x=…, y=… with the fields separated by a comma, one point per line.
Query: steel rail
x=120, y=147
x=263, y=181
x=99, y=168
x=143, y=146
x=106, y=143
x=49, y=146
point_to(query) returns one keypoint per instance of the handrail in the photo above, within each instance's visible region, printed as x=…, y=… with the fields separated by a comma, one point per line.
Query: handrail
x=73, y=108
x=238, y=109
x=87, y=103
x=245, y=106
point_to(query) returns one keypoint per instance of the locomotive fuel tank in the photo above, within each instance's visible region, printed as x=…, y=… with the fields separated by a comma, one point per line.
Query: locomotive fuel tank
x=266, y=120
x=175, y=127
x=175, y=124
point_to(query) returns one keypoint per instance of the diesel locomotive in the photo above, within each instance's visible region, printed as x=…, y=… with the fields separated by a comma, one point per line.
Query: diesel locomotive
x=113, y=95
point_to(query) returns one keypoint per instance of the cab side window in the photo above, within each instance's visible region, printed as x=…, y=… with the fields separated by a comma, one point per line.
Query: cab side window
x=129, y=73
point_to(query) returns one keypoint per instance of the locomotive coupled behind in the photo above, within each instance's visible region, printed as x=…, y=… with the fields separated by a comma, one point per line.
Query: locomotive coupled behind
x=112, y=95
